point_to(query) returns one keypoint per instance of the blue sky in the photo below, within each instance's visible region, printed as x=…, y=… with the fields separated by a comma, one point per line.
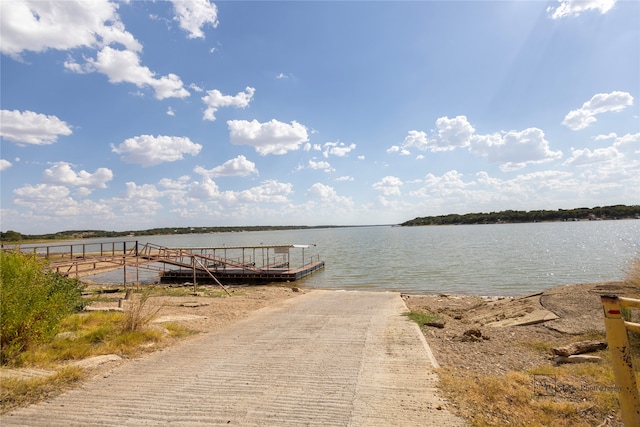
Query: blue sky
x=135, y=115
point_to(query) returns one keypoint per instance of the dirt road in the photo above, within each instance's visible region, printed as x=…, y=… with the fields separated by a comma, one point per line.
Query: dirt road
x=325, y=358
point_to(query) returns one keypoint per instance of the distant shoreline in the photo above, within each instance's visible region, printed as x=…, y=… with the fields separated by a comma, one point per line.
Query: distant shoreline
x=616, y=212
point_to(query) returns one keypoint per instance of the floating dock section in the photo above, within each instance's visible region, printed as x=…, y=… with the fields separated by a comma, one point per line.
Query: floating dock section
x=244, y=265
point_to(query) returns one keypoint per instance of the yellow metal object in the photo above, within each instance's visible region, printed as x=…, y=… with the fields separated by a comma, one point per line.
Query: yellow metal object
x=623, y=370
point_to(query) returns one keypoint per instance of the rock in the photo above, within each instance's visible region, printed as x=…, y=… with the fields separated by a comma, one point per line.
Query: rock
x=579, y=348
x=435, y=324
x=294, y=289
x=93, y=362
x=100, y=308
x=473, y=335
x=580, y=358
x=194, y=304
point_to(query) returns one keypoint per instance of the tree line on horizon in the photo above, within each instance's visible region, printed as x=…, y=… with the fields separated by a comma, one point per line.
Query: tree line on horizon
x=14, y=236
x=508, y=216
x=511, y=216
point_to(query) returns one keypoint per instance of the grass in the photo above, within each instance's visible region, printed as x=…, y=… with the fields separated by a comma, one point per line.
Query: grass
x=517, y=398
x=92, y=334
x=85, y=335
x=632, y=273
x=100, y=295
x=582, y=394
x=18, y=392
x=421, y=317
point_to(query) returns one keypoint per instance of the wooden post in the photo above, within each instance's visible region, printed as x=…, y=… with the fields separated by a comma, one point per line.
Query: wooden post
x=193, y=265
x=215, y=279
x=623, y=370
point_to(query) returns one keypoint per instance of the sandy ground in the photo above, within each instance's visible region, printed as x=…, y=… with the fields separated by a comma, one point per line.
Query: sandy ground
x=503, y=323
x=517, y=334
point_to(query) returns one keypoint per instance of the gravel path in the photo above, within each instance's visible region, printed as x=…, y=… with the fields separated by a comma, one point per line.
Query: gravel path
x=325, y=358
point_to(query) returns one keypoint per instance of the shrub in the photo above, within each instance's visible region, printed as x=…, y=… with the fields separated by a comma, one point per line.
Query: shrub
x=632, y=276
x=33, y=302
x=136, y=313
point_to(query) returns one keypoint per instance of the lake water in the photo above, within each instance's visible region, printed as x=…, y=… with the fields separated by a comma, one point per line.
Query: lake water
x=505, y=259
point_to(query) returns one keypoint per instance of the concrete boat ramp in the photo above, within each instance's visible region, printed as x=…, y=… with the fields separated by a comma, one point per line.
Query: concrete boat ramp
x=325, y=358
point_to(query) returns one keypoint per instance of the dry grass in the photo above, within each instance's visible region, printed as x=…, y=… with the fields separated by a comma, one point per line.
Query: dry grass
x=632, y=276
x=563, y=395
x=137, y=314
x=19, y=392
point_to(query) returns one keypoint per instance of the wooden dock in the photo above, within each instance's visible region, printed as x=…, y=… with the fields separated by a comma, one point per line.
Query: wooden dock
x=222, y=265
x=240, y=276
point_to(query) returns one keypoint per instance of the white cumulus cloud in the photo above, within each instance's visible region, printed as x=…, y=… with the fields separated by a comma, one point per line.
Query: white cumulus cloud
x=598, y=104
x=38, y=26
x=270, y=191
x=5, y=164
x=515, y=149
x=389, y=186
x=320, y=165
x=194, y=14
x=238, y=166
x=272, y=137
x=582, y=157
x=629, y=144
x=179, y=184
x=326, y=194
x=415, y=139
x=338, y=149
x=148, y=150
x=451, y=134
x=576, y=7
x=205, y=189
x=611, y=135
x=141, y=192
x=27, y=127
x=61, y=173
x=214, y=99
x=123, y=66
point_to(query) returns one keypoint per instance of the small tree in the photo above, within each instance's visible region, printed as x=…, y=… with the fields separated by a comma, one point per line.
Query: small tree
x=33, y=301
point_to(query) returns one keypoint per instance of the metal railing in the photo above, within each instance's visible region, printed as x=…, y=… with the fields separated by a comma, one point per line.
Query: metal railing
x=83, y=259
x=618, y=340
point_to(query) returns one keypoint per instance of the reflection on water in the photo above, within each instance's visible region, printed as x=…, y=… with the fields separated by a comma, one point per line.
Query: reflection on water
x=507, y=259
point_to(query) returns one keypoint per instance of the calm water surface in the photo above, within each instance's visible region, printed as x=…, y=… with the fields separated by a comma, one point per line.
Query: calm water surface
x=507, y=259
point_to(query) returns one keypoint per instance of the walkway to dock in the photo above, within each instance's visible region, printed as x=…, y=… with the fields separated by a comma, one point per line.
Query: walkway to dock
x=325, y=358
x=241, y=264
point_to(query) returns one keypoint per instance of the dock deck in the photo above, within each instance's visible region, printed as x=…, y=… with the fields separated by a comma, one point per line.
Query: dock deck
x=238, y=275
